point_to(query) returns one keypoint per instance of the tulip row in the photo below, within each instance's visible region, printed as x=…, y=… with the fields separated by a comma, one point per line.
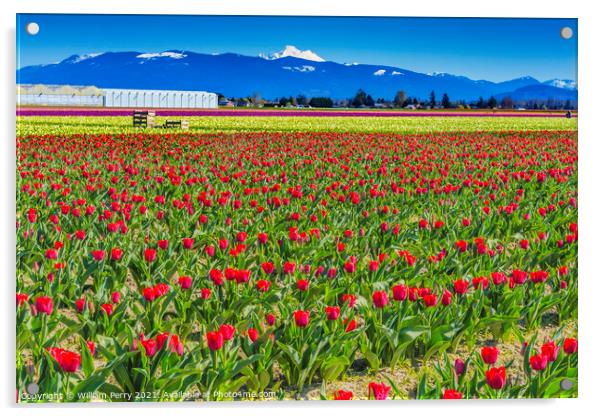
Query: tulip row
x=272, y=262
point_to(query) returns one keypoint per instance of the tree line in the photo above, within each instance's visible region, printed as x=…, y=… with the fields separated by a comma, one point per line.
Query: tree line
x=362, y=99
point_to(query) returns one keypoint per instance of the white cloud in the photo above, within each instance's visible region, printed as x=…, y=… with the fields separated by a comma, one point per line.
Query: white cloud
x=380, y=72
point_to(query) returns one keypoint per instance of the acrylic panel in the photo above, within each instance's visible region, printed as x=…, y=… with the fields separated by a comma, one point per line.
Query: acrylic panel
x=215, y=208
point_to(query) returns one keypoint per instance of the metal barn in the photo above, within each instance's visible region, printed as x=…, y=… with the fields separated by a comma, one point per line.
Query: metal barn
x=158, y=98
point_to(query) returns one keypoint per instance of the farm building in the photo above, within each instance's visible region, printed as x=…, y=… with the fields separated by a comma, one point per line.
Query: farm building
x=159, y=99
x=90, y=96
x=60, y=95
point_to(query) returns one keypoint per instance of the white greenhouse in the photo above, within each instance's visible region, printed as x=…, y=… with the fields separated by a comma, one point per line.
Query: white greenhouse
x=59, y=95
x=90, y=96
x=159, y=98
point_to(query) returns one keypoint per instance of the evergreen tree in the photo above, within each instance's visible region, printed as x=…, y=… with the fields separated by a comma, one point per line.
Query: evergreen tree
x=399, y=100
x=301, y=100
x=359, y=99
x=445, y=102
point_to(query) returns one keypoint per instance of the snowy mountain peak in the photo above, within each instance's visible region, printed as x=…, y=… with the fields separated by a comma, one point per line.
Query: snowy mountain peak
x=567, y=84
x=292, y=51
x=73, y=59
x=166, y=54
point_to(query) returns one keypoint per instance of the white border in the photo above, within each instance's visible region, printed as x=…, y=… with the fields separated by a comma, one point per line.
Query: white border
x=590, y=96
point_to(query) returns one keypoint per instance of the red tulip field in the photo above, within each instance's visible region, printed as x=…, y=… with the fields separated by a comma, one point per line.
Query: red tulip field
x=296, y=265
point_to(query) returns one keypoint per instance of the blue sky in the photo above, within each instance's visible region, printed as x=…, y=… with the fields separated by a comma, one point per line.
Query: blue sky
x=492, y=49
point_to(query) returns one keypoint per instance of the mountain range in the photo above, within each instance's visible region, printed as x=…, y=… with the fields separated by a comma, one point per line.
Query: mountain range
x=287, y=73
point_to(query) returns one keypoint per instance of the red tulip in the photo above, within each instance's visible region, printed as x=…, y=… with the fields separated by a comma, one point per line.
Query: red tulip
x=349, y=298
x=332, y=312
x=550, y=350
x=216, y=276
x=215, y=340
x=150, y=254
x=253, y=334
x=116, y=254
x=288, y=267
x=538, y=362
x=185, y=282
x=44, y=305
x=21, y=299
x=149, y=294
x=378, y=391
x=227, y=331
x=350, y=267
x=489, y=355
x=342, y=395
x=351, y=324
x=461, y=286
x=268, y=267
x=115, y=297
x=451, y=394
x=496, y=377
x=400, y=292
x=461, y=246
x=107, y=308
x=301, y=318
x=262, y=238
x=429, y=300
x=80, y=304
x=187, y=243
x=446, y=298
x=149, y=345
x=69, y=361
x=91, y=347
x=263, y=285
x=380, y=299
x=569, y=345
x=174, y=345
x=498, y=278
